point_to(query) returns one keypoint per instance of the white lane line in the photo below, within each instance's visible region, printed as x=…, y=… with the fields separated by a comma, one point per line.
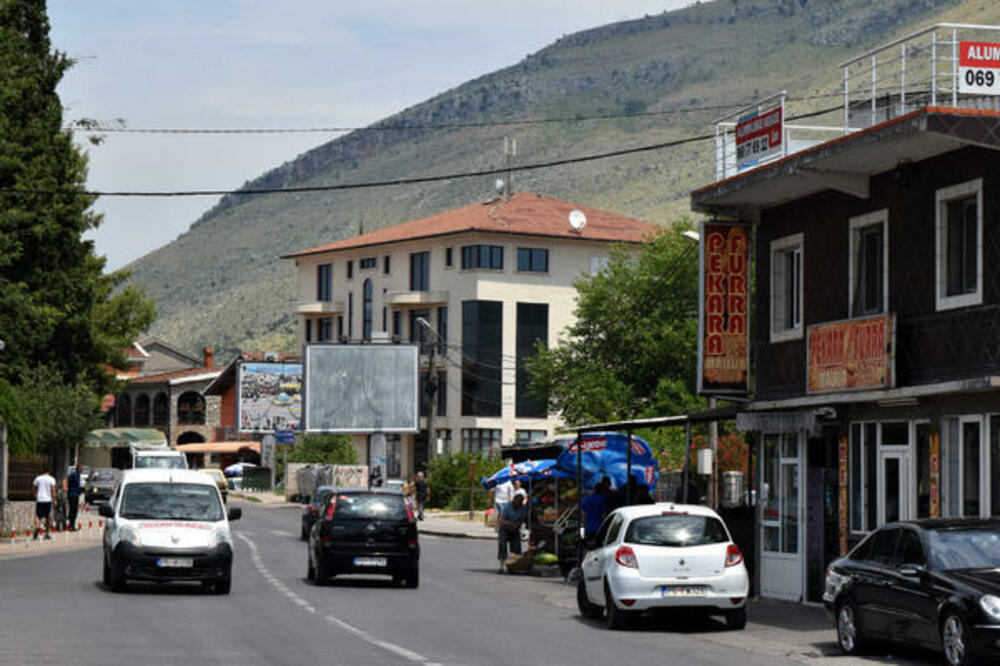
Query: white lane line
x=281, y=533
x=258, y=562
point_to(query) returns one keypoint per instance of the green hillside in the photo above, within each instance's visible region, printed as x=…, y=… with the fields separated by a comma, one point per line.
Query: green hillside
x=222, y=282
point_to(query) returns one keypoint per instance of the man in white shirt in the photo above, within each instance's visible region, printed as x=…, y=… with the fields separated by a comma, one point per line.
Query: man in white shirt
x=502, y=494
x=45, y=488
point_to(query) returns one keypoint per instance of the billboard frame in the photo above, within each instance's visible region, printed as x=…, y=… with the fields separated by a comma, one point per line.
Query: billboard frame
x=239, y=396
x=307, y=351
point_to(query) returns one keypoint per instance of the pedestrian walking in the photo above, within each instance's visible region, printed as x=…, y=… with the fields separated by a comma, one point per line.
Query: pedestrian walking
x=45, y=486
x=509, y=532
x=422, y=490
x=73, y=495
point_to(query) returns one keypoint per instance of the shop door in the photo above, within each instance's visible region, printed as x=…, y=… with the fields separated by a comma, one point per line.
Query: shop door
x=781, y=566
x=894, y=486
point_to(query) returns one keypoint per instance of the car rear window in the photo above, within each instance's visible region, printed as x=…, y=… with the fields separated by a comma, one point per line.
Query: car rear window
x=370, y=507
x=171, y=501
x=676, y=530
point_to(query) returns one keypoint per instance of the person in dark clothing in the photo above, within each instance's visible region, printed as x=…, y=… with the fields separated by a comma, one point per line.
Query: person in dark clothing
x=422, y=492
x=73, y=496
x=642, y=495
x=509, y=532
x=595, y=507
x=629, y=490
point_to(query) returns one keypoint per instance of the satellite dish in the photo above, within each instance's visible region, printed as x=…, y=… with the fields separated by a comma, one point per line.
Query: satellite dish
x=500, y=186
x=577, y=220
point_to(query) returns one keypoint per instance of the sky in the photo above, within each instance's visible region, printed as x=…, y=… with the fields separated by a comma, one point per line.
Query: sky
x=194, y=64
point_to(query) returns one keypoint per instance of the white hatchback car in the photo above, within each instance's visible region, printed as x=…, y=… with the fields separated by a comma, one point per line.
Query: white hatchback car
x=167, y=525
x=661, y=556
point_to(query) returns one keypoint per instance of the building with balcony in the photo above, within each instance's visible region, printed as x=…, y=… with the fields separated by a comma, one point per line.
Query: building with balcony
x=876, y=383
x=491, y=279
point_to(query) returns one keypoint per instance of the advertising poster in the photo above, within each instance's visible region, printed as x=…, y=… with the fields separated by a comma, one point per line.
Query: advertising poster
x=724, y=325
x=758, y=137
x=270, y=397
x=979, y=68
x=850, y=355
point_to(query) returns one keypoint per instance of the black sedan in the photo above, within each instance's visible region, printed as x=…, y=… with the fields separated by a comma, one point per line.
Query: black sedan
x=934, y=583
x=311, y=512
x=365, y=532
x=101, y=484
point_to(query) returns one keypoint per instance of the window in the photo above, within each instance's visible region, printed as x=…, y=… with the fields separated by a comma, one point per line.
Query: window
x=420, y=271
x=863, y=473
x=350, y=269
x=527, y=436
x=482, y=256
x=882, y=550
x=368, y=263
x=959, y=243
x=533, y=259
x=447, y=258
x=418, y=332
x=482, y=358
x=141, y=413
x=366, y=310
x=393, y=456
x=386, y=264
x=869, y=255
x=439, y=393
x=324, y=329
x=191, y=408
x=442, y=330
x=324, y=282
x=598, y=263
x=480, y=439
x=350, y=314
x=923, y=462
x=964, y=467
x=780, y=493
x=161, y=409
x=532, y=328
x=397, y=324
x=909, y=550
x=385, y=314
x=309, y=330
x=786, y=288
x=340, y=328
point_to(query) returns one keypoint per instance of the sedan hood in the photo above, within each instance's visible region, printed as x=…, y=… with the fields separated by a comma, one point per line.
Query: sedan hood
x=986, y=580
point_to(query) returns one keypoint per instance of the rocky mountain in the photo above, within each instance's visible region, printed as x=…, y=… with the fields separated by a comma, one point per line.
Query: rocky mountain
x=628, y=84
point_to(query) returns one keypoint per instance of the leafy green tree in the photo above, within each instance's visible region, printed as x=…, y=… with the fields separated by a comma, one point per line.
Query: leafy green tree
x=61, y=414
x=21, y=433
x=327, y=449
x=57, y=308
x=448, y=476
x=632, y=351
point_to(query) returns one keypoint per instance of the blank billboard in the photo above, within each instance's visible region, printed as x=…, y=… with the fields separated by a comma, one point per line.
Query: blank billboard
x=361, y=388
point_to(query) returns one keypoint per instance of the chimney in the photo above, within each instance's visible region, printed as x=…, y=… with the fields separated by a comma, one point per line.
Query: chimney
x=209, y=357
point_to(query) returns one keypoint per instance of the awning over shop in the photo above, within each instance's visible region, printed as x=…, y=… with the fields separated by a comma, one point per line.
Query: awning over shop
x=110, y=438
x=219, y=447
x=782, y=422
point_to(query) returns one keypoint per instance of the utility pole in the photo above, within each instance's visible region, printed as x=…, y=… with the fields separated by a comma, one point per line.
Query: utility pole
x=431, y=390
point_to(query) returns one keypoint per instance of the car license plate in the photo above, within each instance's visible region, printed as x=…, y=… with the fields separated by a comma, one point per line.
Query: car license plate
x=685, y=591
x=175, y=562
x=370, y=562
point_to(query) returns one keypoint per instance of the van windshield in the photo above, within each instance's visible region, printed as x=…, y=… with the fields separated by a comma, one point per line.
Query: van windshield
x=171, y=501
x=160, y=462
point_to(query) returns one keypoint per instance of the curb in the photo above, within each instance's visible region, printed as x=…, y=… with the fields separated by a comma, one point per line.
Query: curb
x=455, y=535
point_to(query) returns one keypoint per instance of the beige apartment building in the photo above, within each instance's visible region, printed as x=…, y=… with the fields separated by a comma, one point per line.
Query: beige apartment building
x=490, y=279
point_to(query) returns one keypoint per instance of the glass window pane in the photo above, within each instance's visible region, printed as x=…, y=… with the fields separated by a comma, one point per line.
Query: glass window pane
x=891, y=493
x=923, y=471
x=896, y=434
x=970, y=469
x=871, y=475
x=909, y=550
x=770, y=477
x=995, y=465
x=790, y=508
x=857, y=464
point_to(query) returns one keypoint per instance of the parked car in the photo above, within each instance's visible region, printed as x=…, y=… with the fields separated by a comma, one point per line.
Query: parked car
x=365, y=532
x=311, y=512
x=934, y=583
x=167, y=525
x=101, y=484
x=662, y=556
x=220, y=480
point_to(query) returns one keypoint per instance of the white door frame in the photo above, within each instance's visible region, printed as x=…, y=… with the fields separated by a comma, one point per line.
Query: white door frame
x=778, y=565
x=906, y=491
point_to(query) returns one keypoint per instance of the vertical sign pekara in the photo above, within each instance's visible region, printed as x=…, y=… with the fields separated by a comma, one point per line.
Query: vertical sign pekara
x=723, y=340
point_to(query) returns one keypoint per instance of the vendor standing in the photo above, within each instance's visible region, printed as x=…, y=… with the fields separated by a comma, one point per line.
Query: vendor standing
x=509, y=532
x=502, y=494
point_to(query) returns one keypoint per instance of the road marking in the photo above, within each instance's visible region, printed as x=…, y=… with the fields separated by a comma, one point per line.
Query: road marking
x=281, y=533
x=262, y=569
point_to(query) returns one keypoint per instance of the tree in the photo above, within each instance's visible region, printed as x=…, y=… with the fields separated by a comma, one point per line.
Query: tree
x=61, y=414
x=57, y=308
x=21, y=434
x=327, y=449
x=632, y=351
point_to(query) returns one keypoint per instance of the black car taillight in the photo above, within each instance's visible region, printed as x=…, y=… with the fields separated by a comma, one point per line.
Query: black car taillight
x=330, y=509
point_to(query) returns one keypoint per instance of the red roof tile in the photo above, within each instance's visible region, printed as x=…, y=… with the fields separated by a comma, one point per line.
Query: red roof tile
x=524, y=213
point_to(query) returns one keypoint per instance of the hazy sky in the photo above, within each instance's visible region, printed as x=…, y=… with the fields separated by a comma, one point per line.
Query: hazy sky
x=261, y=63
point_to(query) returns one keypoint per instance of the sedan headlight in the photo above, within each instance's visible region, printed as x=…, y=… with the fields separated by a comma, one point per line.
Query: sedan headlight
x=130, y=535
x=219, y=537
x=990, y=605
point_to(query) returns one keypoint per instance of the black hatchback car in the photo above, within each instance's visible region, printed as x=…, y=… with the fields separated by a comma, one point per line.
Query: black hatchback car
x=365, y=532
x=934, y=583
x=311, y=512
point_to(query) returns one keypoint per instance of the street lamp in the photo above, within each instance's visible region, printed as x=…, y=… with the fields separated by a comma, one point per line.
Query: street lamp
x=431, y=389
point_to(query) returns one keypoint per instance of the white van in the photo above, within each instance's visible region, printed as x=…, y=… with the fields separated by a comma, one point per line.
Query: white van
x=167, y=525
x=158, y=459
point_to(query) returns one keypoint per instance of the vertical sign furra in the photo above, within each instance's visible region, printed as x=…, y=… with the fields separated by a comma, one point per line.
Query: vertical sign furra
x=723, y=340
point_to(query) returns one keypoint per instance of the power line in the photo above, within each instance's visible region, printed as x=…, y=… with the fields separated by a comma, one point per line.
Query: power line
x=89, y=128
x=393, y=182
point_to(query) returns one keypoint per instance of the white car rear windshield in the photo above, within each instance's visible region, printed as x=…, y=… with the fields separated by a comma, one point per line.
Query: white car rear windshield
x=676, y=530
x=171, y=501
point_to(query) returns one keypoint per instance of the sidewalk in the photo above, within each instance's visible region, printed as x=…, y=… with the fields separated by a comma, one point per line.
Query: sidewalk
x=24, y=546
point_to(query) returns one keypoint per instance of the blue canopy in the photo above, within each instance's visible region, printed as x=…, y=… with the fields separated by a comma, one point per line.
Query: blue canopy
x=529, y=470
x=606, y=454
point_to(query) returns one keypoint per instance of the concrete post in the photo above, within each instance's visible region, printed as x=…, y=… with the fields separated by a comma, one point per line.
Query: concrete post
x=4, y=462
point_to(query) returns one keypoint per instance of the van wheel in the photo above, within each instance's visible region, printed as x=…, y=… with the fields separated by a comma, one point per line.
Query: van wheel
x=224, y=584
x=118, y=579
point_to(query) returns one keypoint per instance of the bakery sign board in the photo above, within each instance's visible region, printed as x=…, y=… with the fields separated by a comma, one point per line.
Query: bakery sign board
x=723, y=359
x=979, y=68
x=851, y=355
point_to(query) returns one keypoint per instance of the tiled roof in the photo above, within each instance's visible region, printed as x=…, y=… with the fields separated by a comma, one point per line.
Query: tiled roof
x=523, y=213
x=178, y=374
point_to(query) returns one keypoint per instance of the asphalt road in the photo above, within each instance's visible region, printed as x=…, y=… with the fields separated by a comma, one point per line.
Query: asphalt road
x=54, y=610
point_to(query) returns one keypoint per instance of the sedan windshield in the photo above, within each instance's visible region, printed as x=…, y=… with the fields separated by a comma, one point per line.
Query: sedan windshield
x=171, y=501
x=966, y=548
x=676, y=530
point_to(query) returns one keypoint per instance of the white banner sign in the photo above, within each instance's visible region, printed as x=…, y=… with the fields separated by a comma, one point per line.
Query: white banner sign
x=979, y=68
